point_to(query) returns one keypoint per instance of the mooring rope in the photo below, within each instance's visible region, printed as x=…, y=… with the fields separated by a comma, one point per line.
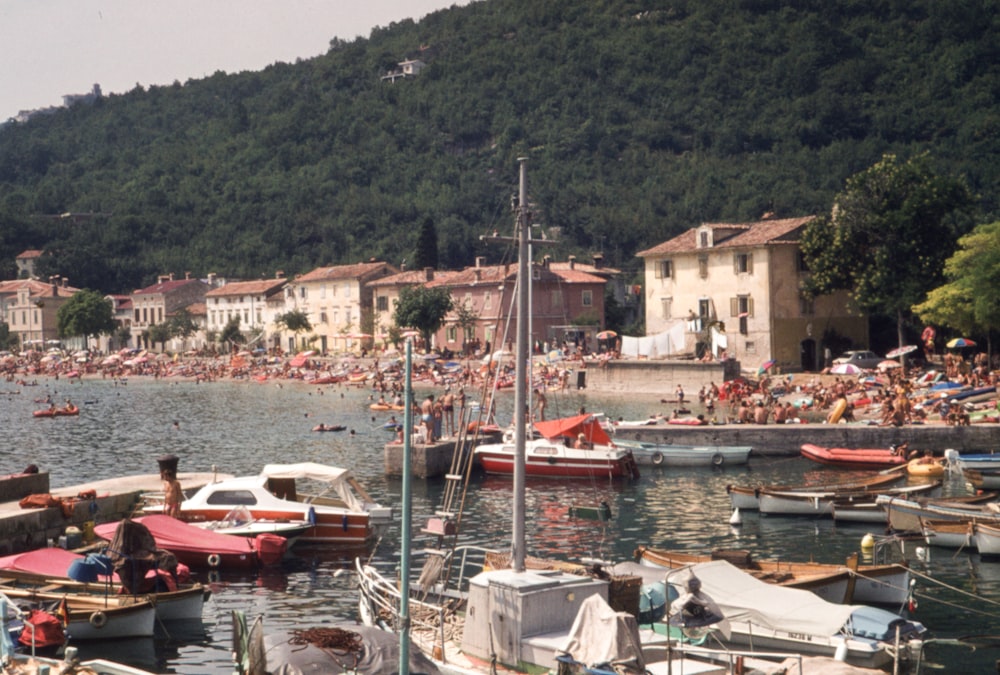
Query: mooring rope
x=328, y=638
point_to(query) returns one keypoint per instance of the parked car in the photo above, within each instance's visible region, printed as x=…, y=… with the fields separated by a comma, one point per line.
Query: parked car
x=861, y=358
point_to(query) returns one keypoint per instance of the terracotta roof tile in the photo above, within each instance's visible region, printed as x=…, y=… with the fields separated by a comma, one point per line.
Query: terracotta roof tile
x=258, y=287
x=761, y=233
x=165, y=286
x=356, y=271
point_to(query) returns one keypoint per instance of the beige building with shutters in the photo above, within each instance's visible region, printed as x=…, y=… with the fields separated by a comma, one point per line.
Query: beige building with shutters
x=735, y=290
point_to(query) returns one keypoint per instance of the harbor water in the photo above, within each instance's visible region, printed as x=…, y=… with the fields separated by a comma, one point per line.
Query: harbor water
x=238, y=426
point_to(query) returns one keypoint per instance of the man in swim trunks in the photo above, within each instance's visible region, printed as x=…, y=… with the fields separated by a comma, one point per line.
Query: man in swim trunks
x=448, y=406
x=427, y=416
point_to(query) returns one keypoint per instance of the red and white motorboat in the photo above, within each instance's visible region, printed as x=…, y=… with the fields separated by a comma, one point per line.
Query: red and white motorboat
x=554, y=455
x=339, y=510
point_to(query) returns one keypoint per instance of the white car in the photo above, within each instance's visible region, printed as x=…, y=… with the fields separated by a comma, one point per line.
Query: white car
x=862, y=359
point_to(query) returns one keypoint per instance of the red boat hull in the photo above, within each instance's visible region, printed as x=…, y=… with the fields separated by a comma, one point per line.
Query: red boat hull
x=559, y=467
x=853, y=458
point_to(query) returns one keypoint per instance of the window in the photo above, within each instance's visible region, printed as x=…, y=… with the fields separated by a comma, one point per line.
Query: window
x=703, y=239
x=806, y=306
x=557, y=299
x=743, y=263
x=260, y=317
x=587, y=298
x=741, y=307
x=664, y=269
x=322, y=292
x=452, y=333
x=666, y=307
x=488, y=300
x=302, y=292
x=323, y=317
x=347, y=290
x=137, y=315
x=468, y=299
x=382, y=303
x=750, y=348
x=703, y=266
x=243, y=497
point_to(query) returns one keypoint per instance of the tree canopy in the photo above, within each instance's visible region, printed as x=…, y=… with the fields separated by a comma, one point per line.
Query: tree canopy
x=85, y=313
x=423, y=309
x=887, y=237
x=968, y=301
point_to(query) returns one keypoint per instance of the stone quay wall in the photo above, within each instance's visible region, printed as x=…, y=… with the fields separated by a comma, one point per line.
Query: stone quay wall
x=787, y=439
x=651, y=377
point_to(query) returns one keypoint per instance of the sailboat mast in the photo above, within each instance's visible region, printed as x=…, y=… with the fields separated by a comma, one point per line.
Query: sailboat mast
x=517, y=545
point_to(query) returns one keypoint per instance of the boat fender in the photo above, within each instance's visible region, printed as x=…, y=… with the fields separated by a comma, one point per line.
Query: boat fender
x=214, y=560
x=657, y=457
x=552, y=460
x=98, y=619
x=214, y=577
x=344, y=522
x=718, y=459
x=311, y=515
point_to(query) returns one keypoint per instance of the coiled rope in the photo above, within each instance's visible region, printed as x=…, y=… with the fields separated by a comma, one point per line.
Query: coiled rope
x=328, y=638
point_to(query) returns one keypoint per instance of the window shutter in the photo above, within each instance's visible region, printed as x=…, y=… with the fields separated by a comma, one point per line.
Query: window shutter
x=734, y=306
x=749, y=306
x=658, y=270
x=750, y=265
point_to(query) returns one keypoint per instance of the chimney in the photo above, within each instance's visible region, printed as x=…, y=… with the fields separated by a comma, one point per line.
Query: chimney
x=428, y=274
x=598, y=260
x=187, y=276
x=480, y=261
x=478, y=271
x=280, y=274
x=572, y=262
x=162, y=278
x=171, y=276
x=65, y=282
x=211, y=279
x=546, y=261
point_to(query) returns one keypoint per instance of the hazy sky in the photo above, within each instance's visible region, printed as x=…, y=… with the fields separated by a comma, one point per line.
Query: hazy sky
x=53, y=47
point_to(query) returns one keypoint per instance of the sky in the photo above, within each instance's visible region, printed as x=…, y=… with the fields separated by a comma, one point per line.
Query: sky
x=53, y=47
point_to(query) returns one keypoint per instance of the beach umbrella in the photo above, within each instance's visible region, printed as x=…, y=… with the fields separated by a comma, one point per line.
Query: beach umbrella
x=496, y=356
x=607, y=335
x=764, y=367
x=889, y=363
x=845, y=369
x=410, y=333
x=960, y=343
x=900, y=351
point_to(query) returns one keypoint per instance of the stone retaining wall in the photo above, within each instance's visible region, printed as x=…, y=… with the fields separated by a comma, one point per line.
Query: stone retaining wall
x=652, y=377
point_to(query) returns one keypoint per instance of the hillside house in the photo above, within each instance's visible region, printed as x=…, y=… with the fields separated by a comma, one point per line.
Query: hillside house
x=156, y=304
x=29, y=308
x=338, y=302
x=734, y=289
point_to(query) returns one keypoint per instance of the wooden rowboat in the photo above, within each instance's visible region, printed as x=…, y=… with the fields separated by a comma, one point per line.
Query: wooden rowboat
x=746, y=497
x=847, y=583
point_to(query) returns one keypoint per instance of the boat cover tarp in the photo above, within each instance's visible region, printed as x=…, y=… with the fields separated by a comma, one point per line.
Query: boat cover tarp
x=571, y=427
x=49, y=562
x=742, y=597
x=174, y=535
x=338, y=479
x=602, y=636
x=378, y=654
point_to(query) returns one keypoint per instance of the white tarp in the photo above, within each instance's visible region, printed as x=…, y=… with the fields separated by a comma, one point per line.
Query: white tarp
x=742, y=597
x=336, y=478
x=600, y=635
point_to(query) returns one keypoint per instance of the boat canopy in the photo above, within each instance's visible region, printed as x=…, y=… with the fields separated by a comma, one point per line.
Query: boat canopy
x=741, y=597
x=600, y=635
x=571, y=427
x=310, y=470
x=339, y=480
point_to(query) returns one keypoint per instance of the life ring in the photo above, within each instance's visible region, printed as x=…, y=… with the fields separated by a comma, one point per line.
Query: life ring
x=657, y=457
x=214, y=560
x=98, y=619
x=718, y=459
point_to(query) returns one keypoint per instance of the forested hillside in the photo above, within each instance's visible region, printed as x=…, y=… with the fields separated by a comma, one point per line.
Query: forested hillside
x=640, y=119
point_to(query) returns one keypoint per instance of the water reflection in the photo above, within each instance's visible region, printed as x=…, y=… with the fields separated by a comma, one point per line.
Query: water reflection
x=239, y=427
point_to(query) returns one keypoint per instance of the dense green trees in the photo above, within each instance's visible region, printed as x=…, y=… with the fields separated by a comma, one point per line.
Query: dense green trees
x=85, y=313
x=887, y=237
x=423, y=309
x=640, y=122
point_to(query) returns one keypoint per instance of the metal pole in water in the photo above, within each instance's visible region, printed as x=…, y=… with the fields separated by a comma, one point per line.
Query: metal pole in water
x=521, y=374
x=407, y=515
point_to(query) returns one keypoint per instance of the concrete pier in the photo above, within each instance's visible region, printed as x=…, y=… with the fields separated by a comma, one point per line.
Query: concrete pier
x=786, y=439
x=25, y=529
